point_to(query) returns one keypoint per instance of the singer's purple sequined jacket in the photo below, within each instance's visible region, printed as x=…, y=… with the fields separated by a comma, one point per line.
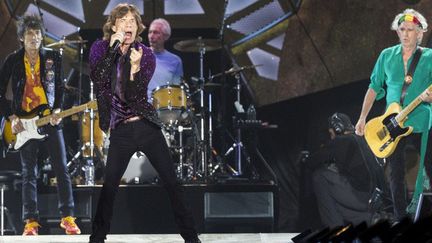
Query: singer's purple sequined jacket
x=101, y=66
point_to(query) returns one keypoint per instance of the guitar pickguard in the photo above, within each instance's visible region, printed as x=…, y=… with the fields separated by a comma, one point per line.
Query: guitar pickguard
x=31, y=131
x=393, y=128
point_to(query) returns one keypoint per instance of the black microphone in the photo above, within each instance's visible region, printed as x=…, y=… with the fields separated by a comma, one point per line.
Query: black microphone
x=116, y=44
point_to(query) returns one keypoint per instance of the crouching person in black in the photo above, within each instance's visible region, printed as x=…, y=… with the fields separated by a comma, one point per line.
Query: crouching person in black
x=345, y=175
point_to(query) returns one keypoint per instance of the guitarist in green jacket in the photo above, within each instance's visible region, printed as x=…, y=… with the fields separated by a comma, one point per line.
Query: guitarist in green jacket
x=395, y=79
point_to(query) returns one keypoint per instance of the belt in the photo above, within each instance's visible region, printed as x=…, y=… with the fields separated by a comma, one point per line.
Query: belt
x=132, y=119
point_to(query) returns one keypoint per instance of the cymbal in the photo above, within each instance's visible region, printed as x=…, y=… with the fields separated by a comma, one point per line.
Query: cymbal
x=196, y=45
x=210, y=86
x=66, y=42
x=235, y=70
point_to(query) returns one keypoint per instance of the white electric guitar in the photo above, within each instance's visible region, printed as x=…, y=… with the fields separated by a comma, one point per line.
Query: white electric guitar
x=31, y=126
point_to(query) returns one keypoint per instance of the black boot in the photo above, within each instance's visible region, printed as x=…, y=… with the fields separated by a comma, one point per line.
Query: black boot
x=193, y=240
x=97, y=241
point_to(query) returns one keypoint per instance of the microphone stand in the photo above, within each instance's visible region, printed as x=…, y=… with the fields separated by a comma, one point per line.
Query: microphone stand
x=36, y=2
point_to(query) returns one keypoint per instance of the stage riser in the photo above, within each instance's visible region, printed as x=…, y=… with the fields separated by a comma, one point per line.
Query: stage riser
x=145, y=209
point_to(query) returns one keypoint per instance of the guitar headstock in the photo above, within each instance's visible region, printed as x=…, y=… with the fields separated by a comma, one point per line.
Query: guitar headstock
x=92, y=105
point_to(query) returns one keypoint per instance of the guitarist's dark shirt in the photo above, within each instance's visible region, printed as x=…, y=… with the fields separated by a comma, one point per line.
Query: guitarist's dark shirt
x=13, y=71
x=345, y=151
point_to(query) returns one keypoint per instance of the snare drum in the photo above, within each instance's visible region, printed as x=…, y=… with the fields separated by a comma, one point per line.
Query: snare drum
x=170, y=102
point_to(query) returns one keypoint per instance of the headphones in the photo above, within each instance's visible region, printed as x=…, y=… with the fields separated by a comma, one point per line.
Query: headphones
x=337, y=124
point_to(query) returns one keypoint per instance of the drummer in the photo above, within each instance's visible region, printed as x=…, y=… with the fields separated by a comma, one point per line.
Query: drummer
x=169, y=67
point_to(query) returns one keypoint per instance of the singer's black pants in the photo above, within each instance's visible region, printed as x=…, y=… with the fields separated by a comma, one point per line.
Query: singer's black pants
x=125, y=140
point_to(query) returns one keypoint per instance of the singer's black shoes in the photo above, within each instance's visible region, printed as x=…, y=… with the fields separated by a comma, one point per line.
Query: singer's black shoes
x=193, y=240
x=97, y=241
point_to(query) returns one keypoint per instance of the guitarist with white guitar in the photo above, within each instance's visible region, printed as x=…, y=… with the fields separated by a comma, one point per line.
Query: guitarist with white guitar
x=403, y=75
x=34, y=75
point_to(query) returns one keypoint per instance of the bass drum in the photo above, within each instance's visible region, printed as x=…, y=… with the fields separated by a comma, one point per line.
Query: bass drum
x=98, y=135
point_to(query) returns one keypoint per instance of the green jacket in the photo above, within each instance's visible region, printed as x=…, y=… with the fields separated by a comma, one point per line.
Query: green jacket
x=388, y=76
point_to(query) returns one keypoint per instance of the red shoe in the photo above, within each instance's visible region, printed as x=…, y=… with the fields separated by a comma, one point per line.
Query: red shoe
x=69, y=225
x=31, y=227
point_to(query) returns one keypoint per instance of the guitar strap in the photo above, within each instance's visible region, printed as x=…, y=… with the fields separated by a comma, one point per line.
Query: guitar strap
x=410, y=74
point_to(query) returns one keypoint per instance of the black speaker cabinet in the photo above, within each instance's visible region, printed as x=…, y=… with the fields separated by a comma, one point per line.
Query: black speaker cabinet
x=239, y=211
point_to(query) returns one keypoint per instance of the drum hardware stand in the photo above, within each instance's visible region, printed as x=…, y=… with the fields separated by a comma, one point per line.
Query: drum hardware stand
x=89, y=169
x=181, y=163
x=212, y=152
x=202, y=144
x=78, y=154
x=80, y=70
x=210, y=132
x=237, y=145
x=221, y=165
x=181, y=151
x=88, y=166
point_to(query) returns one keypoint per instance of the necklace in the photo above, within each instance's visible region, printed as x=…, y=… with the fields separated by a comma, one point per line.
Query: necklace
x=32, y=64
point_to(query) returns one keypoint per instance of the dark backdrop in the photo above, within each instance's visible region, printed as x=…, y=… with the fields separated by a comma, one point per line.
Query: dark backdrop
x=302, y=126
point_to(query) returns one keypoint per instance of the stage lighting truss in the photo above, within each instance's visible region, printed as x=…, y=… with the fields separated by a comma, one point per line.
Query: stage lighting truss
x=256, y=32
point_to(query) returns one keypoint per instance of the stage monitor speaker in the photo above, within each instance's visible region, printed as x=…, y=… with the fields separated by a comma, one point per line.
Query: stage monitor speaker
x=239, y=212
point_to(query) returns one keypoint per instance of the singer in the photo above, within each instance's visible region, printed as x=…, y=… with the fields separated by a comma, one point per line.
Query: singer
x=121, y=68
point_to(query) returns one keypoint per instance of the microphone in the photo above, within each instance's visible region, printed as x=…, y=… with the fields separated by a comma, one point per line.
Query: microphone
x=117, y=43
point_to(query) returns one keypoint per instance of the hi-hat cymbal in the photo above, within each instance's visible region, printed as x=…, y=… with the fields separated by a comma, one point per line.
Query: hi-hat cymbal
x=235, y=70
x=66, y=42
x=196, y=45
x=208, y=87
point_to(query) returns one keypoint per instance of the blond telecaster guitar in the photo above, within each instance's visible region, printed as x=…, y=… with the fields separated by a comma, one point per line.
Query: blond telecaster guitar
x=383, y=133
x=31, y=126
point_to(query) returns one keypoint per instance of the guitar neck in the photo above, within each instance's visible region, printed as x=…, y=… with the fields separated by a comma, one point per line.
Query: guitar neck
x=404, y=113
x=45, y=120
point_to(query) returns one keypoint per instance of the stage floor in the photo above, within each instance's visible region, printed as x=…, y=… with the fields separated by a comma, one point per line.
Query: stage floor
x=155, y=238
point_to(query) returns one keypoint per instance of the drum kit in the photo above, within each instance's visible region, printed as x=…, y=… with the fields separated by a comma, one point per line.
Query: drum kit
x=175, y=109
x=187, y=125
